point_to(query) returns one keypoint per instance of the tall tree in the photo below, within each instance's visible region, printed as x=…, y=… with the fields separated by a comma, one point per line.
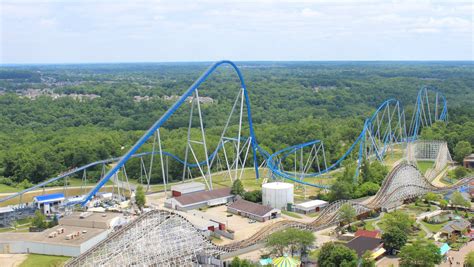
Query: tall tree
x=278, y=241
x=461, y=150
x=237, y=188
x=394, y=239
x=140, y=199
x=398, y=219
x=347, y=213
x=335, y=255
x=292, y=239
x=458, y=200
x=469, y=259
x=367, y=260
x=39, y=220
x=460, y=172
x=423, y=253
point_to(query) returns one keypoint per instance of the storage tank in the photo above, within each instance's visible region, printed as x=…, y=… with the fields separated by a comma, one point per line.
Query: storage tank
x=277, y=194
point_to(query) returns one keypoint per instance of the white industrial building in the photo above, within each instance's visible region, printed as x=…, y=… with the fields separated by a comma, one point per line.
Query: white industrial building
x=183, y=189
x=74, y=235
x=311, y=206
x=277, y=195
x=200, y=199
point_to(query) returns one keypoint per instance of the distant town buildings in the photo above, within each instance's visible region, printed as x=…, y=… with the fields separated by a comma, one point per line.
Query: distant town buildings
x=202, y=99
x=138, y=98
x=35, y=93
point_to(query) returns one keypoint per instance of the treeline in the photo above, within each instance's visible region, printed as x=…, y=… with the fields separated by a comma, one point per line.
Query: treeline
x=291, y=103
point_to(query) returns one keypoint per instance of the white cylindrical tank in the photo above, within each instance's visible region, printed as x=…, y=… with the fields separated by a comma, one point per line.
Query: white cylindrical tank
x=277, y=194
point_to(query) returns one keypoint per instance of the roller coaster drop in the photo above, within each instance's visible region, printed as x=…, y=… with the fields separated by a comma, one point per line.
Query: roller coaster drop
x=387, y=126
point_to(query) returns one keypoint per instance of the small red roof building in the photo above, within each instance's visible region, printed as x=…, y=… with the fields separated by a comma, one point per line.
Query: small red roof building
x=367, y=233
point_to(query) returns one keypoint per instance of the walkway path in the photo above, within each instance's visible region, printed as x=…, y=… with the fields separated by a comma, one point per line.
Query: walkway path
x=458, y=255
x=420, y=218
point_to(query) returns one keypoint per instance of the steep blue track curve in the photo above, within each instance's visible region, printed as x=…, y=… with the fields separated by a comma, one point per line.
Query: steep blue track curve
x=168, y=114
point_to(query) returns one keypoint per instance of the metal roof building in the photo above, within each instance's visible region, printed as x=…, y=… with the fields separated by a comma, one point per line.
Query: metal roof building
x=48, y=203
x=49, y=198
x=200, y=199
x=310, y=206
x=252, y=210
x=182, y=189
x=74, y=235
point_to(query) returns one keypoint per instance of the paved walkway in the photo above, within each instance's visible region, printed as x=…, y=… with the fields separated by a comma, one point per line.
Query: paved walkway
x=458, y=256
x=420, y=217
x=12, y=260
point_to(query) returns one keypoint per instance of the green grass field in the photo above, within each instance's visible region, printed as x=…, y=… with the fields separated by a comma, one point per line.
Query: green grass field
x=369, y=225
x=291, y=214
x=434, y=227
x=7, y=189
x=36, y=260
x=423, y=166
x=393, y=156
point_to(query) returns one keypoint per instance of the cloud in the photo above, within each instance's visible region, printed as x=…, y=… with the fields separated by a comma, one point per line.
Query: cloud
x=148, y=30
x=308, y=12
x=48, y=22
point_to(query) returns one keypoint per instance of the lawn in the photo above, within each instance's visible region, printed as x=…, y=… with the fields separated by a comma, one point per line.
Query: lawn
x=423, y=166
x=434, y=227
x=369, y=225
x=221, y=179
x=34, y=260
x=393, y=156
x=291, y=214
x=7, y=189
x=5, y=230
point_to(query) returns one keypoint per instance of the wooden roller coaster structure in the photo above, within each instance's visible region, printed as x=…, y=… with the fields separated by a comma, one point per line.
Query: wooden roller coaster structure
x=404, y=182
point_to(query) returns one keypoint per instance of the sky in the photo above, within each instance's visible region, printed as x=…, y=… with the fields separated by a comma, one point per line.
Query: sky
x=87, y=31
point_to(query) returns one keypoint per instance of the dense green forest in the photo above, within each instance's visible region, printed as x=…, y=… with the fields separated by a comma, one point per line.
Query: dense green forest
x=292, y=102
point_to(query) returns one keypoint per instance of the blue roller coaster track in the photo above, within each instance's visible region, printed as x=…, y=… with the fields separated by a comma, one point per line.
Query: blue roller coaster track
x=385, y=127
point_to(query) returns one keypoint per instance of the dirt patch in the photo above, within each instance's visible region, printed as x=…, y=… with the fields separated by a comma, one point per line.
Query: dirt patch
x=12, y=260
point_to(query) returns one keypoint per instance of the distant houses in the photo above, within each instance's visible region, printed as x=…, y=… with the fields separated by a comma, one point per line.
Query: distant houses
x=202, y=99
x=35, y=93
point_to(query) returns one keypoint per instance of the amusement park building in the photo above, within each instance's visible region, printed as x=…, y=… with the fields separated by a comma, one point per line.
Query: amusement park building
x=468, y=161
x=361, y=244
x=187, y=188
x=277, y=195
x=6, y=215
x=253, y=211
x=48, y=203
x=74, y=235
x=200, y=199
x=311, y=206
